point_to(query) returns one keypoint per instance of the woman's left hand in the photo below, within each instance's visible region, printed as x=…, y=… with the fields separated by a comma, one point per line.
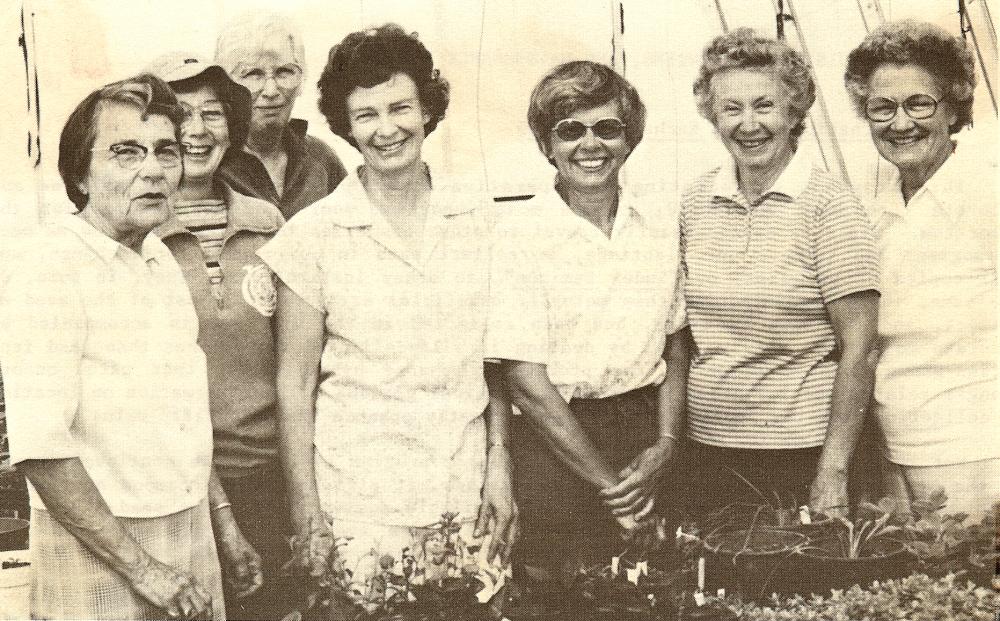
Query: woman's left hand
x=241, y=563
x=498, y=511
x=828, y=493
x=635, y=494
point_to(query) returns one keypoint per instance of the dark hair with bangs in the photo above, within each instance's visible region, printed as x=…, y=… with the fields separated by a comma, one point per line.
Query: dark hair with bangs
x=370, y=57
x=581, y=85
x=146, y=92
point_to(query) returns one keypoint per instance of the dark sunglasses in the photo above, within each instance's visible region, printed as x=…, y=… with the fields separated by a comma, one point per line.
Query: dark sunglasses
x=882, y=109
x=570, y=130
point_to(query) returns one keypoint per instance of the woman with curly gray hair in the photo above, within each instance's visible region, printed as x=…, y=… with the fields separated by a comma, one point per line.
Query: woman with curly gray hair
x=935, y=388
x=781, y=290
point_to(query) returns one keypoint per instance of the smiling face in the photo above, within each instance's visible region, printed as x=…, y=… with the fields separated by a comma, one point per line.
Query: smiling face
x=753, y=118
x=123, y=203
x=590, y=162
x=204, y=133
x=274, y=79
x=387, y=123
x=914, y=145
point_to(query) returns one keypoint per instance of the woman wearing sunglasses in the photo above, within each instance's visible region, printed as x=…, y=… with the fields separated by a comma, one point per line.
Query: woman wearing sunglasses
x=781, y=291
x=935, y=389
x=587, y=317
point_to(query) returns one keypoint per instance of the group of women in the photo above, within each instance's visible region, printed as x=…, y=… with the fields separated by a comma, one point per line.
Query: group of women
x=364, y=359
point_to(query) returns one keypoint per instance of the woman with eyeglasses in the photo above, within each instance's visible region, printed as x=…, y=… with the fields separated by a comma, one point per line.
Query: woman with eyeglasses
x=782, y=294
x=214, y=233
x=935, y=388
x=587, y=316
x=386, y=418
x=106, y=391
x=279, y=162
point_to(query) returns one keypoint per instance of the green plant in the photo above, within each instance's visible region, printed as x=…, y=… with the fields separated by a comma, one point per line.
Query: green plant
x=871, y=523
x=439, y=577
x=914, y=598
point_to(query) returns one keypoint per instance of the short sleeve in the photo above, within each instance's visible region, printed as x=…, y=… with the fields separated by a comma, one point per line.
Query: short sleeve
x=846, y=254
x=41, y=350
x=294, y=254
x=677, y=314
x=517, y=316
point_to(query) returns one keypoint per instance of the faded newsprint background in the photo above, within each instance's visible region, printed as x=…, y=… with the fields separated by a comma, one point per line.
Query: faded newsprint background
x=54, y=52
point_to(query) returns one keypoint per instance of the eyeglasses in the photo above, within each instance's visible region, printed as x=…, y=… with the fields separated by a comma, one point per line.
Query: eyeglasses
x=212, y=116
x=605, y=129
x=131, y=156
x=287, y=77
x=882, y=109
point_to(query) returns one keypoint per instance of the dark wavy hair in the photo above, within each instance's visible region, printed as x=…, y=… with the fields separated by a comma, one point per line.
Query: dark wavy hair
x=370, y=57
x=146, y=92
x=946, y=57
x=581, y=85
x=743, y=48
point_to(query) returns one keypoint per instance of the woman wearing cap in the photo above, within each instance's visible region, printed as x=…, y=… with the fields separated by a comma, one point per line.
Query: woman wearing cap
x=381, y=317
x=781, y=291
x=214, y=233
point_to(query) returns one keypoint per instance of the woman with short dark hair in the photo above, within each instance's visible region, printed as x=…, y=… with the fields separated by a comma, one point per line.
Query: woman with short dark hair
x=385, y=418
x=106, y=390
x=936, y=384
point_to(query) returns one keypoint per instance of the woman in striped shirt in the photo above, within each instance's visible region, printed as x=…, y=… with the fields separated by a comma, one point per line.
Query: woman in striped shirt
x=781, y=292
x=214, y=233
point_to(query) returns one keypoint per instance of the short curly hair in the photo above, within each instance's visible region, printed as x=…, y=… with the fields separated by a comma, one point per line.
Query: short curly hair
x=908, y=41
x=743, y=48
x=581, y=85
x=145, y=92
x=370, y=57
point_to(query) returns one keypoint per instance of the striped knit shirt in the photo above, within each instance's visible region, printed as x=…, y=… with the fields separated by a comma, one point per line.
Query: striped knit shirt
x=758, y=279
x=207, y=219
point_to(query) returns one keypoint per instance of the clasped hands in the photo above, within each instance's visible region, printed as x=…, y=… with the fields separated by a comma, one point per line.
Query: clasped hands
x=633, y=499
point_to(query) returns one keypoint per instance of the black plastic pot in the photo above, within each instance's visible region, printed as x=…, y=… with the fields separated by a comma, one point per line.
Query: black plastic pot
x=753, y=563
x=821, y=566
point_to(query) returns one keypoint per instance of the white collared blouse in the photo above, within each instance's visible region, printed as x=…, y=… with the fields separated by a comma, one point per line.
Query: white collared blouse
x=936, y=382
x=401, y=371
x=595, y=310
x=101, y=362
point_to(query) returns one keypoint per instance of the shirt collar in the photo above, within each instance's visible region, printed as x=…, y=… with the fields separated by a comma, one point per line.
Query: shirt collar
x=558, y=212
x=791, y=182
x=240, y=216
x=350, y=207
x=945, y=187
x=102, y=245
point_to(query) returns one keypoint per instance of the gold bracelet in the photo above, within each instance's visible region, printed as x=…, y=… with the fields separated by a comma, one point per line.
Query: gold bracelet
x=490, y=445
x=221, y=505
x=669, y=435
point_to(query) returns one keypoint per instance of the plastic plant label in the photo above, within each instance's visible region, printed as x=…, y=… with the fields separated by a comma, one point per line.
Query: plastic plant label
x=804, y=516
x=699, y=598
x=721, y=593
x=643, y=567
x=633, y=575
x=614, y=564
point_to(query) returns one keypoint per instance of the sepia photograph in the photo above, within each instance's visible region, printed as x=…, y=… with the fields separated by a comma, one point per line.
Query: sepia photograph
x=499, y=310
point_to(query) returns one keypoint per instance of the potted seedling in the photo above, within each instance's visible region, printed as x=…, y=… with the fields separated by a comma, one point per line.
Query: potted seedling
x=753, y=562
x=440, y=578
x=769, y=511
x=867, y=548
